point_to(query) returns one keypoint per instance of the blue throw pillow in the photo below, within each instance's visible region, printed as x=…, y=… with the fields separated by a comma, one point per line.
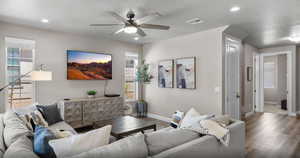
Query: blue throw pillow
x=42, y=148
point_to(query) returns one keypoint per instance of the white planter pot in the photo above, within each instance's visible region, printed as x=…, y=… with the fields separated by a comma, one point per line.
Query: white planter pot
x=91, y=96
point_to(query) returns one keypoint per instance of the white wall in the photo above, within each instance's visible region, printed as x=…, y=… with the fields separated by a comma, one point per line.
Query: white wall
x=249, y=53
x=207, y=47
x=51, y=50
x=298, y=78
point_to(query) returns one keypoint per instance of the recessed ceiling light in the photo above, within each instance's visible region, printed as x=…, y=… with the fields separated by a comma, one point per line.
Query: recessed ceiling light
x=45, y=21
x=136, y=38
x=295, y=38
x=235, y=9
x=195, y=21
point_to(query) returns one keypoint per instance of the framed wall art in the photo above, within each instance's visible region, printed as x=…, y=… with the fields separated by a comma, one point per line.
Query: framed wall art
x=186, y=73
x=165, y=73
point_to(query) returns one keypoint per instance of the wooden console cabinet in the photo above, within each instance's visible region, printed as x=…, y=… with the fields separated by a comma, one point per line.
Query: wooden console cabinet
x=81, y=112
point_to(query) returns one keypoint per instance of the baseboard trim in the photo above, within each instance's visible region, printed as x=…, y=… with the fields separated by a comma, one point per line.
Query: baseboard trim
x=294, y=113
x=271, y=102
x=159, y=117
x=248, y=114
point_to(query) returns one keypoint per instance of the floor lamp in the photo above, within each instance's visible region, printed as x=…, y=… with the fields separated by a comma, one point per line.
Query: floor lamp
x=39, y=75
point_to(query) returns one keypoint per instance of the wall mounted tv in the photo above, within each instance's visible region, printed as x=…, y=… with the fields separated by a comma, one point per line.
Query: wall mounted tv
x=84, y=65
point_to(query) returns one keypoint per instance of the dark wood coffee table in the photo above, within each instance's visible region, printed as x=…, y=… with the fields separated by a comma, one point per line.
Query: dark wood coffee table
x=126, y=125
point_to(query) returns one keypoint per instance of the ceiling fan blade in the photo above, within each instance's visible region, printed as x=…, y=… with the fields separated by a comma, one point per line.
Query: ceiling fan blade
x=141, y=32
x=119, y=31
x=152, y=26
x=106, y=24
x=119, y=17
x=147, y=18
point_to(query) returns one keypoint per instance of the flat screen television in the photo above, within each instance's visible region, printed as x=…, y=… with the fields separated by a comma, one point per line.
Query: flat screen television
x=83, y=65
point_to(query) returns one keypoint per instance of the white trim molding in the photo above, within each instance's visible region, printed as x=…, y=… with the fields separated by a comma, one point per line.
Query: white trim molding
x=159, y=117
x=290, y=51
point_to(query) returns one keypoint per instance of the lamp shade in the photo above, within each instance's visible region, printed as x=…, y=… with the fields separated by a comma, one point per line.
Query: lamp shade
x=41, y=76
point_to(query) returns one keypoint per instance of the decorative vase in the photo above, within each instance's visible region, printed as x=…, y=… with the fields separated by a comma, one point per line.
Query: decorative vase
x=141, y=108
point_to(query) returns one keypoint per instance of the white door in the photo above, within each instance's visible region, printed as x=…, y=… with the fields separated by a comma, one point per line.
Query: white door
x=232, y=78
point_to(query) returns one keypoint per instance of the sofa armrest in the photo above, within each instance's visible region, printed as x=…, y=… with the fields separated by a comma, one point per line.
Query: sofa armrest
x=208, y=146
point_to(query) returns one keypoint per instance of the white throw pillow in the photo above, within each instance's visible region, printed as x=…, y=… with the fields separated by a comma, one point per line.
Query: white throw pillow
x=76, y=144
x=191, y=117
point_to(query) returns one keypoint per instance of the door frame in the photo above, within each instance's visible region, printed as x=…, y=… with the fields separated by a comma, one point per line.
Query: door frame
x=291, y=79
x=238, y=42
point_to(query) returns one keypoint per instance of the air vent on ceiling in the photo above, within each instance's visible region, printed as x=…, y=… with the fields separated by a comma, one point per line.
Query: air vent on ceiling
x=195, y=21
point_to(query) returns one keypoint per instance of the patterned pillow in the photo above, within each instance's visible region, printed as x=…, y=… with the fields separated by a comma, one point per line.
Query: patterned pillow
x=28, y=121
x=33, y=119
x=38, y=119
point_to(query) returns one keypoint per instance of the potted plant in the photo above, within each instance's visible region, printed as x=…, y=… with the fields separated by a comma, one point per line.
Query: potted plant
x=91, y=93
x=142, y=74
x=143, y=77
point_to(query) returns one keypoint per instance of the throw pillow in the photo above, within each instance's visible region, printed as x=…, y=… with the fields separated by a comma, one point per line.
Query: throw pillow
x=77, y=144
x=192, y=117
x=33, y=119
x=21, y=148
x=42, y=136
x=27, y=120
x=176, y=119
x=38, y=119
x=129, y=147
x=50, y=113
x=14, y=128
x=223, y=120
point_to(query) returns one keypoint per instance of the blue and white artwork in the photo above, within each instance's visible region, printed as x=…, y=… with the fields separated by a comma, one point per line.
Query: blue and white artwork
x=165, y=74
x=186, y=73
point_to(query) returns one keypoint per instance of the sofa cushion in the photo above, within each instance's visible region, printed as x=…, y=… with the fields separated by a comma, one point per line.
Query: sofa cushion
x=50, y=113
x=168, y=138
x=129, y=147
x=77, y=144
x=2, y=144
x=14, y=128
x=62, y=126
x=21, y=148
x=42, y=136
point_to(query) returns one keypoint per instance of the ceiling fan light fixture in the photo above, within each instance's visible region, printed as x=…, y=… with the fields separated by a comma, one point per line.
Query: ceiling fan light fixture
x=130, y=29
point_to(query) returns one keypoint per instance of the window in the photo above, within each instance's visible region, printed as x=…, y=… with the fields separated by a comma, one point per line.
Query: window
x=20, y=57
x=270, y=74
x=131, y=85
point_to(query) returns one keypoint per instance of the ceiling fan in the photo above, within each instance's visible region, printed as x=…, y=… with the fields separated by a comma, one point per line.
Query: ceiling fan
x=132, y=25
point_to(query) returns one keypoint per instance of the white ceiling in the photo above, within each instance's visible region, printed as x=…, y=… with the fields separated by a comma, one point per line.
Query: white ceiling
x=268, y=22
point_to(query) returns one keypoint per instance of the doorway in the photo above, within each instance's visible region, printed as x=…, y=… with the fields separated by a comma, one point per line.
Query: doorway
x=276, y=82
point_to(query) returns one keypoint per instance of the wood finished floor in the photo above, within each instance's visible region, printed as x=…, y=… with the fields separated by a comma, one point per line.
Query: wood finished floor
x=272, y=136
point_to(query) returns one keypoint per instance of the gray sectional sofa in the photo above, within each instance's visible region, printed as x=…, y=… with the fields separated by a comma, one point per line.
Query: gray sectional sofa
x=165, y=143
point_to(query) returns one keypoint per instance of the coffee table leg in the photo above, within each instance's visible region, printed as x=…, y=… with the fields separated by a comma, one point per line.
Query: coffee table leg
x=154, y=128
